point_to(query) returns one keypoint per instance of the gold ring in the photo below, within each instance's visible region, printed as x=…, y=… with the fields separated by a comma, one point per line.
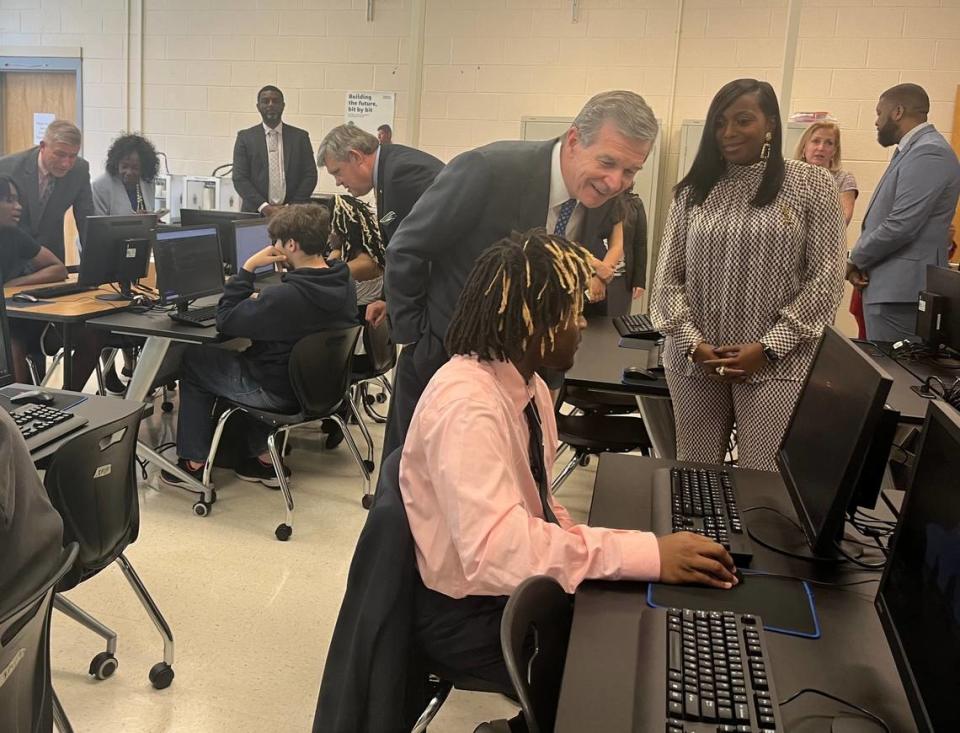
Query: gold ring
x=721, y=370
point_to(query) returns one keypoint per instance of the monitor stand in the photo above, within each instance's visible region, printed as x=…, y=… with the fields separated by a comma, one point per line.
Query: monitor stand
x=124, y=295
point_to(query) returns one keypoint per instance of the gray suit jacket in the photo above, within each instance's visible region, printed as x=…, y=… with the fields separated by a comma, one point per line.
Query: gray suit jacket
x=46, y=225
x=905, y=227
x=477, y=199
x=110, y=196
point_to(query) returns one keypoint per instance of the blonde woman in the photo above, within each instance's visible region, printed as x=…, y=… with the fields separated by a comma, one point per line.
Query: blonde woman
x=820, y=145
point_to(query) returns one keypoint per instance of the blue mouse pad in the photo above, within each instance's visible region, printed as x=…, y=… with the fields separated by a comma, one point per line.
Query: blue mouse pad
x=785, y=605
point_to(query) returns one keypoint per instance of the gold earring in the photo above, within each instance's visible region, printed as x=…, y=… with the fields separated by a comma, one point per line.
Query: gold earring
x=765, y=150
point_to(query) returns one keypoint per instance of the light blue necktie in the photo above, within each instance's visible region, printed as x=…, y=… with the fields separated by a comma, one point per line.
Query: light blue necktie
x=563, y=218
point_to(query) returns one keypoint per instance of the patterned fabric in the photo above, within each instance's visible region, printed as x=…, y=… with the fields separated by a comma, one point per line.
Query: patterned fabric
x=730, y=273
x=47, y=184
x=563, y=218
x=278, y=186
x=845, y=181
x=705, y=412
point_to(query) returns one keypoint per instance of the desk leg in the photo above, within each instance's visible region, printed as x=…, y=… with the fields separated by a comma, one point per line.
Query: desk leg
x=67, y=335
x=147, y=367
x=657, y=413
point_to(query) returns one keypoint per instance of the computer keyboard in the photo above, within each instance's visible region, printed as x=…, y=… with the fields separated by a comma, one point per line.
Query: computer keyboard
x=56, y=291
x=638, y=325
x=40, y=424
x=703, y=501
x=718, y=673
x=202, y=317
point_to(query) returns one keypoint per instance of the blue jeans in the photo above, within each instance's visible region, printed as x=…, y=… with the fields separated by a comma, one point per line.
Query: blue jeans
x=207, y=373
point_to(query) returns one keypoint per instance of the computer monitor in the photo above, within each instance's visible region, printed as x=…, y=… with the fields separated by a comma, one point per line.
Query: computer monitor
x=918, y=600
x=6, y=358
x=829, y=436
x=223, y=220
x=945, y=282
x=189, y=265
x=116, y=249
x=249, y=237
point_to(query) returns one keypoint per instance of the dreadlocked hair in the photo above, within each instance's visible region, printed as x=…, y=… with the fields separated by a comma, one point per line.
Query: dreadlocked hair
x=521, y=285
x=355, y=229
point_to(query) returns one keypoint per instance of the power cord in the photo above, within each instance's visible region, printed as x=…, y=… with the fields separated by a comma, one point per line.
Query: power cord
x=863, y=711
x=948, y=393
x=877, y=566
x=822, y=583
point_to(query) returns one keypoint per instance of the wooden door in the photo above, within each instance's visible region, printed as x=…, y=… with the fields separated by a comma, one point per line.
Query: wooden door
x=23, y=93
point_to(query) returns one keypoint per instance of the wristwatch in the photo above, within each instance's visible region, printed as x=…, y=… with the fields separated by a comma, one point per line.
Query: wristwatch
x=771, y=355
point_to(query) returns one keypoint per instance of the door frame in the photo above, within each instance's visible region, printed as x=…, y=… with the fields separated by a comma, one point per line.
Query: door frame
x=43, y=64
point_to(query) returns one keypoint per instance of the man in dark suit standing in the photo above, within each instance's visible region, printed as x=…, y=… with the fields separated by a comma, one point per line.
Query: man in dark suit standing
x=51, y=178
x=273, y=162
x=358, y=162
x=564, y=185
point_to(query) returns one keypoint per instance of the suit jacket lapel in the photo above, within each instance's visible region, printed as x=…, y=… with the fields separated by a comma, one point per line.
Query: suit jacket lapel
x=378, y=184
x=904, y=152
x=533, y=209
x=32, y=176
x=287, y=150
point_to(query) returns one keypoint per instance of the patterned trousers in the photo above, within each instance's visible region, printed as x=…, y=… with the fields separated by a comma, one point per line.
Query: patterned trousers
x=705, y=412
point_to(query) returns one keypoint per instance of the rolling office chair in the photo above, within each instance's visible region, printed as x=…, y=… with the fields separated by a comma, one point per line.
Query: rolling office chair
x=371, y=368
x=91, y=482
x=592, y=434
x=28, y=703
x=320, y=376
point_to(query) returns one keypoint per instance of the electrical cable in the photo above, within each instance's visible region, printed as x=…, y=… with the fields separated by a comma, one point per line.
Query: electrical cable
x=823, y=583
x=865, y=565
x=863, y=711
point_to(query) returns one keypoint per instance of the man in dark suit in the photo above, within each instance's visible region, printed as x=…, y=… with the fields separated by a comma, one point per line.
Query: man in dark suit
x=478, y=199
x=273, y=162
x=51, y=178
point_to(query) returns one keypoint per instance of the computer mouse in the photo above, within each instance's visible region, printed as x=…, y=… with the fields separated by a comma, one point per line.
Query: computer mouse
x=26, y=298
x=638, y=374
x=33, y=396
x=738, y=573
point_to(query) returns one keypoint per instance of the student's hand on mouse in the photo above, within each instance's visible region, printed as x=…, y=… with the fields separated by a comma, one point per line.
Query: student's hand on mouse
x=267, y=256
x=736, y=362
x=686, y=557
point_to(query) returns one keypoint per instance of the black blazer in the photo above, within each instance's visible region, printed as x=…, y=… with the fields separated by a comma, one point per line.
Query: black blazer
x=251, y=166
x=478, y=198
x=403, y=174
x=46, y=224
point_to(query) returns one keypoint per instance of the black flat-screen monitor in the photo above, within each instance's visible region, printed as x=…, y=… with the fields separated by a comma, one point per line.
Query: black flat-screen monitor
x=829, y=437
x=918, y=600
x=945, y=282
x=223, y=221
x=6, y=358
x=116, y=249
x=249, y=237
x=189, y=265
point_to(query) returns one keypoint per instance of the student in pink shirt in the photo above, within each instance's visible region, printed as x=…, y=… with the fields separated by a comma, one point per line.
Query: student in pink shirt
x=478, y=457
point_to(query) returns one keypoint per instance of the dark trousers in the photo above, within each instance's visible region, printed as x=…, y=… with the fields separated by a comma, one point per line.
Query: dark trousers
x=416, y=364
x=206, y=373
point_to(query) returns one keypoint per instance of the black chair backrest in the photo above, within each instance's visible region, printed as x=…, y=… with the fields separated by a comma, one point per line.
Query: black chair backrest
x=92, y=482
x=320, y=369
x=26, y=697
x=534, y=634
x=379, y=348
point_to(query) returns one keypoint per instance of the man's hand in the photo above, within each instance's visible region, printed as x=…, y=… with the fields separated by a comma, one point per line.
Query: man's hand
x=271, y=209
x=686, y=557
x=604, y=271
x=376, y=312
x=267, y=256
x=598, y=289
x=738, y=361
x=857, y=278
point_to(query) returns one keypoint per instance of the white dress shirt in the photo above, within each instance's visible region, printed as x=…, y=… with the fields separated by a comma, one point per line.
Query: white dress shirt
x=909, y=134
x=266, y=134
x=558, y=195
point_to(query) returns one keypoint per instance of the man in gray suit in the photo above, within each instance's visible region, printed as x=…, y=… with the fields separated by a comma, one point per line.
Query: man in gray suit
x=481, y=196
x=51, y=178
x=906, y=224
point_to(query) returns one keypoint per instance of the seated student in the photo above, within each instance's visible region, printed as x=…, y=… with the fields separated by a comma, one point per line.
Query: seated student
x=23, y=262
x=355, y=238
x=478, y=500
x=314, y=296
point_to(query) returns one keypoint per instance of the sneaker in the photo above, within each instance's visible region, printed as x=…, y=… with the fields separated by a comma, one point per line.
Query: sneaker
x=173, y=480
x=251, y=469
x=334, y=434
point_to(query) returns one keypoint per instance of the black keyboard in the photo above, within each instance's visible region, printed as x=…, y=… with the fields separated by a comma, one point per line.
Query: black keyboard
x=40, y=424
x=703, y=501
x=55, y=291
x=718, y=674
x=202, y=317
x=638, y=325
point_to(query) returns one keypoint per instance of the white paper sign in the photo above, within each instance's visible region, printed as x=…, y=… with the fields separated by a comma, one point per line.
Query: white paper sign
x=369, y=110
x=41, y=121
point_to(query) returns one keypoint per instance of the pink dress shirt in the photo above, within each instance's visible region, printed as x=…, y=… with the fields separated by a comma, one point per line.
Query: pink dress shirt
x=473, y=505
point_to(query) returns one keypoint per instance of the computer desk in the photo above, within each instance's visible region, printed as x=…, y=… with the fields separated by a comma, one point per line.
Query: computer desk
x=599, y=365
x=911, y=406
x=850, y=660
x=66, y=311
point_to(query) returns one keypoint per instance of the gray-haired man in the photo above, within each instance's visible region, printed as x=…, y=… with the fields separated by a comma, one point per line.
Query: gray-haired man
x=481, y=196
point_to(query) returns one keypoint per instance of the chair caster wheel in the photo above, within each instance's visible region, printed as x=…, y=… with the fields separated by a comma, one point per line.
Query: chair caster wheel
x=283, y=532
x=161, y=675
x=103, y=665
x=585, y=461
x=202, y=508
x=167, y=406
x=369, y=465
x=367, y=501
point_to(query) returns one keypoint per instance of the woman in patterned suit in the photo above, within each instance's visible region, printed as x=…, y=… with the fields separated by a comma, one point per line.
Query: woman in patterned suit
x=750, y=270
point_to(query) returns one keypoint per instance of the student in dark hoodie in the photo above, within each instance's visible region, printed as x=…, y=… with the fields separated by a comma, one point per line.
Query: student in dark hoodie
x=314, y=296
